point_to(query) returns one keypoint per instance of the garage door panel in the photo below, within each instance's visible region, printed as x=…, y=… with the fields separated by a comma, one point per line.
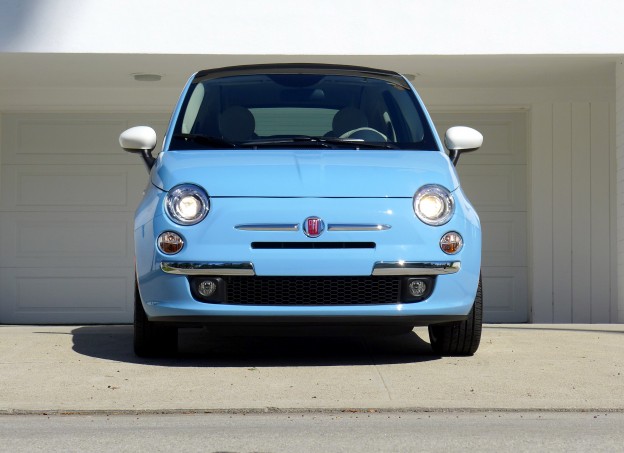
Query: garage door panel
x=494, y=180
x=504, y=238
x=68, y=194
x=71, y=138
x=494, y=187
x=66, y=295
x=71, y=239
x=72, y=187
x=38, y=137
x=504, y=135
x=505, y=293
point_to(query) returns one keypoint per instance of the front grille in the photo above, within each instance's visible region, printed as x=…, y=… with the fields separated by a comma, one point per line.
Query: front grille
x=312, y=290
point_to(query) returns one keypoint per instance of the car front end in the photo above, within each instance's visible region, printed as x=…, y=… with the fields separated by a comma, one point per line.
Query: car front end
x=281, y=199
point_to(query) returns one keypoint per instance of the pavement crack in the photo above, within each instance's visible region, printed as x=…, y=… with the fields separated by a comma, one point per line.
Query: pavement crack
x=376, y=367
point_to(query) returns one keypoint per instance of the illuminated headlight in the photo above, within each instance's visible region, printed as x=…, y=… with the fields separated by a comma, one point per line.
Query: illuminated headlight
x=434, y=205
x=187, y=204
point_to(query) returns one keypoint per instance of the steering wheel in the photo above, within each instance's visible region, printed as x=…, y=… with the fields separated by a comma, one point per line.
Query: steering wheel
x=365, y=133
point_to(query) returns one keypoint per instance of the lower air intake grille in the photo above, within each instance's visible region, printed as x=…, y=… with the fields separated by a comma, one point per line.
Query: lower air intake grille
x=313, y=290
x=312, y=245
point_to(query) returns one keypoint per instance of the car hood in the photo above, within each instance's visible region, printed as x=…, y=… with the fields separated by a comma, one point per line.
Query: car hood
x=305, y=173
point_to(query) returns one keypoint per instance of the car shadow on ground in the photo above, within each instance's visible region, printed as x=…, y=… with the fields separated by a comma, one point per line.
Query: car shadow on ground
x=198, y=348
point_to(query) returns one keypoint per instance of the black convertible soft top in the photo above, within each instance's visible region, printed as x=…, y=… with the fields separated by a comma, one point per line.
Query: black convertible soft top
x=302, y=68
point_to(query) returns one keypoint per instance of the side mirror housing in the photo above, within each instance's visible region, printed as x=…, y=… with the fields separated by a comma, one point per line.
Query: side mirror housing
x=140, y=139
x=462, y=139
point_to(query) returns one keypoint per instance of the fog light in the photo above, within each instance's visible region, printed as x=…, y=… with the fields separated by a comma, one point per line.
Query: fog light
x=170, y=242
x=417, y=288
x=207, y=288
x=451, y=243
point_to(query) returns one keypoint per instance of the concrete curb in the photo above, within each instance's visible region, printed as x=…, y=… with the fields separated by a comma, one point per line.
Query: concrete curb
x=296, y=410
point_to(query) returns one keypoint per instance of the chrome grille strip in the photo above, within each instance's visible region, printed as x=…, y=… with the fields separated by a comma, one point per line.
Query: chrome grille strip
x=416, y=267
x=267, y=227
x=295, y=227
x=357, y=227
x=211, y=268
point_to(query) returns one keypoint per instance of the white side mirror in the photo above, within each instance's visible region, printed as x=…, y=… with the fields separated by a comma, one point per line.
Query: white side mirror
x=140, y=139
x=462, y=139
x=137, y=139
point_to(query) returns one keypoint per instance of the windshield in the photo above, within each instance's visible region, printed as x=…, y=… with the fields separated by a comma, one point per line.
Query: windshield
x=301, y=110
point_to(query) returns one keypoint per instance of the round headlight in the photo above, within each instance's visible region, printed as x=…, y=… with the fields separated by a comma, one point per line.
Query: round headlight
x=187, y=204
x=434, y=205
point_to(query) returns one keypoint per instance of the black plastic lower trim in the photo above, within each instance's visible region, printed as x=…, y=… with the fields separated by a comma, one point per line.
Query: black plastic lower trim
x=312, y=245
x=311, y=291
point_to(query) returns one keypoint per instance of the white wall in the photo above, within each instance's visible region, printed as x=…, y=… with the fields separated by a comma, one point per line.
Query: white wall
x=619, y=140
x=425, y=27
x=571, y=213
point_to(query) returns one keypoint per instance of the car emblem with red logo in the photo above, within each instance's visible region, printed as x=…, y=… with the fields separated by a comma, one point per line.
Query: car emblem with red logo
x=313, y=227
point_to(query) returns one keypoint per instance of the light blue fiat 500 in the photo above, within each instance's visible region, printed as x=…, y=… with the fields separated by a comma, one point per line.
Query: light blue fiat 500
x=301, y=195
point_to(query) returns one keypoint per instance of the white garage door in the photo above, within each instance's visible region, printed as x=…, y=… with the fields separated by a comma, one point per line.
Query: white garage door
x=67, y=197
x=494, y=179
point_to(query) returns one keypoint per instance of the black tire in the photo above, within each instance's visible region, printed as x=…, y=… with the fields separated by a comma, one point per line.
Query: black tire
x=152, y=339
x=459, y=338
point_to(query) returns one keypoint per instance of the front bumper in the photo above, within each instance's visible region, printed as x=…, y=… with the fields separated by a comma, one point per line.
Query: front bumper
x=216, y=247
x=451, y=299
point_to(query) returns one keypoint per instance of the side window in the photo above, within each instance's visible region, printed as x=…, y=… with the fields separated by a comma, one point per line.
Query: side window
x=389, y=129
x=411, y=116
x=192, y=109
x=406, y=120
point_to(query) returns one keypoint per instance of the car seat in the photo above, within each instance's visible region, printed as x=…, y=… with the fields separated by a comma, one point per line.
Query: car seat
x=237, y=124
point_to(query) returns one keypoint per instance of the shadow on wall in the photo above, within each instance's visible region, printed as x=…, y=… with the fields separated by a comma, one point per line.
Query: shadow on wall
x=15, y=18
x=198, y=348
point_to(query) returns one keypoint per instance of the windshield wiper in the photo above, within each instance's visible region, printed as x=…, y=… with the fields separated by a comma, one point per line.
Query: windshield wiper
x=206, y=140
x=321, y=142
x=359, y=143
x=299, y=140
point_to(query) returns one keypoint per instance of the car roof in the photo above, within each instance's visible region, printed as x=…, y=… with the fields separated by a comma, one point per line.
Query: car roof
x=301, y=68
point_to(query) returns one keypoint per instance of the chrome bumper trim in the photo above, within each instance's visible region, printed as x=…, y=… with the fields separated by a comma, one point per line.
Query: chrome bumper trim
x=267, y=227
x=242, y=269
x=357, y=227
x=247, y=269
x=416, y=268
